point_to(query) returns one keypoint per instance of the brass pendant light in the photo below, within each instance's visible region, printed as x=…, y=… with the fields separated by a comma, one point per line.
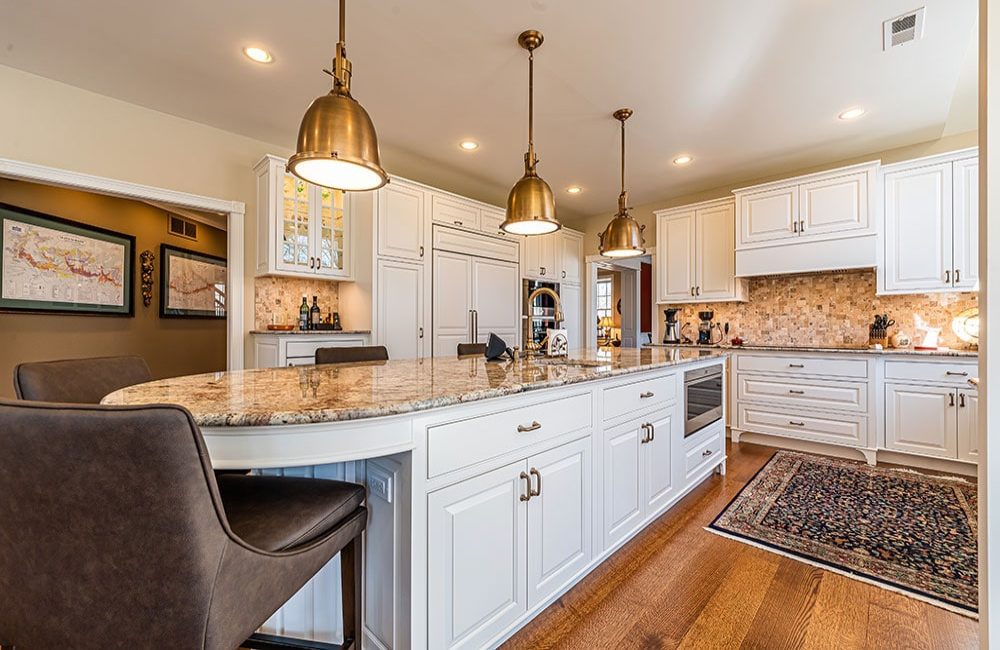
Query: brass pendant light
x=623, y=236
x=337, y=145
x=531, y=206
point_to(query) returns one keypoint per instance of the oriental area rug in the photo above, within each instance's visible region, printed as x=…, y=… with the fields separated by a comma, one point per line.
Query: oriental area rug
x=902, y=530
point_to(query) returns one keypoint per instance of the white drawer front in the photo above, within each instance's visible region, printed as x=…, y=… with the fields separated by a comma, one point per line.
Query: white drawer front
x=702, y=455
x=938, y=372
x=846, y=429
x=460, y=444
x=468, y=243
x=656, y=392
x=454, y=212
x=808, y=393
x=300, y=349
x=803, y=365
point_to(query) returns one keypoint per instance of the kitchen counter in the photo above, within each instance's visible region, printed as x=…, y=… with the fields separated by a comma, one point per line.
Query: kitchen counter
x=806, y=348
x=298, y=332
x=335, y=393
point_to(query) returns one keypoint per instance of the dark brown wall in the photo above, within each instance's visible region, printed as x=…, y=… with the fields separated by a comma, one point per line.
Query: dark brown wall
x=172, y=347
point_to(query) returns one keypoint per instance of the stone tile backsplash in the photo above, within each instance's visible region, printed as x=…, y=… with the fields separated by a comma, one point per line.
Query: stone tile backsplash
x=280, y=297
x=826, y=309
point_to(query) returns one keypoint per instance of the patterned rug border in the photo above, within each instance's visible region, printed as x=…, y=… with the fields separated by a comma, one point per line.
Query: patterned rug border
x=916, y=594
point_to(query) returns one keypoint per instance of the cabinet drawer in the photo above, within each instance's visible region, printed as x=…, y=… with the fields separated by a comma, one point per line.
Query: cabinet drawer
x=803, y=365
x=839, y=429
x=943, y=373
x=454, y=212
x=644, y=394
x=467, y=243
x=703, y=454
x=300, y=349
x=460, y=444
x=489, y=222
x=808, y=393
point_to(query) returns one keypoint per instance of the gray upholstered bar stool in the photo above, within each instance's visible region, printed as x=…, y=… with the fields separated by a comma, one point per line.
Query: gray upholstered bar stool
x=352, y=355
x=116, y=535
x=78, y=381
x=469, y=349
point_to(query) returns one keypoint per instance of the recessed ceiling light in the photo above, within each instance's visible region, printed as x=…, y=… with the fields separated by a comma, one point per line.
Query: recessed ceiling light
x=258, y=54
x=574, y=189
x=683, y=159
x=468, y=145
x=852, y=113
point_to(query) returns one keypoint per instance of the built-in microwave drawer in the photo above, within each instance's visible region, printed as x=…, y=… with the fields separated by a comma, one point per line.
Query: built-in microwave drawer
x=838, y=429
x=641, y=395
x=931, y=371
x=800, y=392
x=794, y=365
x=466, y=442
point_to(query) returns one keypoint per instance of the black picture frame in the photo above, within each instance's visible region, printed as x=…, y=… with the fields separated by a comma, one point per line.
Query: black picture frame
x=29, y=297
x=168, y=255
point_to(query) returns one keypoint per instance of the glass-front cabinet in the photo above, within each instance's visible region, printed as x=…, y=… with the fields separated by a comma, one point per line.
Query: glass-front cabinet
x=302, y=229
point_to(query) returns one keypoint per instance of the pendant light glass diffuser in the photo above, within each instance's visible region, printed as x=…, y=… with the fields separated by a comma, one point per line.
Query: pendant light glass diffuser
x=337, y=145
x=623, y=236
x=531, y=206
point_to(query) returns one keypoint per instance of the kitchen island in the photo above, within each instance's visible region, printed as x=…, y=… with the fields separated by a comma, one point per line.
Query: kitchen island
x=493, y=487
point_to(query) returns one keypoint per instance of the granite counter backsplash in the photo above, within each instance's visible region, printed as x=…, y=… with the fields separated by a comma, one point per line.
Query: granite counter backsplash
x=281, y=297
x=826, y=310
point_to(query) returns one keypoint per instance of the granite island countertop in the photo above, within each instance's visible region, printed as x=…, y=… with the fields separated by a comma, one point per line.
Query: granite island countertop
x=298, y=332
x=339, y=392
x=941, y=352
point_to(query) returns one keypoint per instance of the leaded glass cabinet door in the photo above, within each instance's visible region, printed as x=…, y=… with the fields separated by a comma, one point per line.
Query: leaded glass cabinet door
x=330, y=232
x=293, y=224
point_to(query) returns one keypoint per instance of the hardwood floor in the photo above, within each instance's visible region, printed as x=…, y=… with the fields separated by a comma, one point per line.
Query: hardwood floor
x=678, y=586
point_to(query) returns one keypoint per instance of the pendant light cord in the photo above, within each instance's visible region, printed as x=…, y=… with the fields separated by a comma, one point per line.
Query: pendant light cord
x=343, y=21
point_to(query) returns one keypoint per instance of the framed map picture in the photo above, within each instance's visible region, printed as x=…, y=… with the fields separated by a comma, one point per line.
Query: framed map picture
x=51, y=265
x=192, y=285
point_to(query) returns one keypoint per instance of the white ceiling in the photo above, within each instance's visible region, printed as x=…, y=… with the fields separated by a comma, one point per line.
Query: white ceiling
x=747, y=88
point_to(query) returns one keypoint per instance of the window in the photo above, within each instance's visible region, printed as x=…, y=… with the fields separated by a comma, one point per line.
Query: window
x=603, y=298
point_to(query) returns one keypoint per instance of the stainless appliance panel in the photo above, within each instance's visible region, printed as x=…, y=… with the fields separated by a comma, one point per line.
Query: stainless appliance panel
x=703, y=395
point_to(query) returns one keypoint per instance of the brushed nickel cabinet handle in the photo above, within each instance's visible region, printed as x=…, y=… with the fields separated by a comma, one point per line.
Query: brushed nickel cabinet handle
x=796, y=392
x=796, y=424
x=538, y=490
x=527, y=484
x=951, y=399
x=652, y=432
x=534, y=426
x=706, y=453
x=947, y=277
x=952, y=373
x=646, y=394
x=645, y=436
x=796, y=365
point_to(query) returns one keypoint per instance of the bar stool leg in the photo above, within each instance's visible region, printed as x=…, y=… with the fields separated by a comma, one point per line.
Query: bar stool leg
x=350, y=576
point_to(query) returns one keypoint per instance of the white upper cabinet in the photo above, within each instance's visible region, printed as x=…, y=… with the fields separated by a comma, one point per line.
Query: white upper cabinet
x=695, y=254
x=402, y=226
x=445, y=209
x=571, y=297
x=303, y=230
x=570, y=252
x=930, y=230
x=820, y=222
x=538, y=257
x=490, y=219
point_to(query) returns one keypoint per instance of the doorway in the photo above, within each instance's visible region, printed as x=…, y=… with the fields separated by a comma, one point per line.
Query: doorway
x=617, y=311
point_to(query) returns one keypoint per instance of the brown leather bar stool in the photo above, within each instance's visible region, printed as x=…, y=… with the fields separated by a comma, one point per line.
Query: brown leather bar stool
x=352, y=355
x=117, y=536
x=78, y=381
x=469, y=349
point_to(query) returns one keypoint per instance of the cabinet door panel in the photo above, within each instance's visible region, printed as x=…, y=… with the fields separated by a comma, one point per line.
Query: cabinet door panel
x=834, y=205
x=675, y=257
x=769, y=215
x=331, y=232
x=918, y=229
x=715, y=254
x=401, y=225
x=476, y=558
x=538, y=257
x=452, y=302
x=293, y=226
x=496, y=297
x=658, y=464
x=559, y=529
x=622, y=487
x=921, y=420
x=968, y=425
x=570, y=257
x=401, y=308
x=457, y=213
x=572, y=304
x=965, y=272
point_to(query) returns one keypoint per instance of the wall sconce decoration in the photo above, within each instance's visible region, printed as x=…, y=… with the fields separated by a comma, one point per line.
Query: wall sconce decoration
x=146, y=258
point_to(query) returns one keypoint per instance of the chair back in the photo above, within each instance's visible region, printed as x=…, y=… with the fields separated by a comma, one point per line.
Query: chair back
x=112, y=529
x=468, y=349
x=353, y=354
x=78, y=381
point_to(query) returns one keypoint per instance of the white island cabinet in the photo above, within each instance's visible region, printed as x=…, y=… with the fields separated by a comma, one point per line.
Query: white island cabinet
x=492, y=487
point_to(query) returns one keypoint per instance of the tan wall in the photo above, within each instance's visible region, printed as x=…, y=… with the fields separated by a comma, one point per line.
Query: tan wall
x=171, y=346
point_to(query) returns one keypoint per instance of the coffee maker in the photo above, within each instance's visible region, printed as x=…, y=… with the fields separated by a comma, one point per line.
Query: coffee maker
x=672, y=329
x=706, y=327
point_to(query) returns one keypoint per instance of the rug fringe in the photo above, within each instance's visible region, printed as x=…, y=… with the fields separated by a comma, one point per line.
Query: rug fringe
x=847, y=574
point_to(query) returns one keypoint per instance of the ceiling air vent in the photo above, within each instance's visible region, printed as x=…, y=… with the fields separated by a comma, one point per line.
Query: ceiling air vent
x=903, y=29
x=182, y=227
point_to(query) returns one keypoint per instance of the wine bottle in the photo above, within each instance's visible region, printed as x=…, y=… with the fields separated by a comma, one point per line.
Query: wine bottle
x=315, y=315
x=304, y=314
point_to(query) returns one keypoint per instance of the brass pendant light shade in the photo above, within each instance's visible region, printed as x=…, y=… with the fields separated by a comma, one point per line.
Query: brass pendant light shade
x=337, y=145
x=531, y=206
x=623, y=236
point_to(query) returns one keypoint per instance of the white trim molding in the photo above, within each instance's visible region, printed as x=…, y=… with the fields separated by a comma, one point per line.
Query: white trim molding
x=234, y=212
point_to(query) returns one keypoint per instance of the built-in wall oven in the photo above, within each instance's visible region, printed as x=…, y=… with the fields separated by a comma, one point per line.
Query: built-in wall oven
x=703, y=396
x=540, y=316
